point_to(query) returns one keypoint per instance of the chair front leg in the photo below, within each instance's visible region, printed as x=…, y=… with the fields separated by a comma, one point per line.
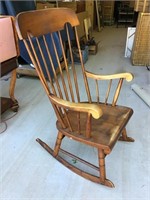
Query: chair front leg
x=124, y=137
x=102, y=164
x=101, y=158
x=60, y=136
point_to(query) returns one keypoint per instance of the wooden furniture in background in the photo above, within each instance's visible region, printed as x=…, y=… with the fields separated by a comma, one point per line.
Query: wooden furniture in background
x=108, y=12
x=82, y=115
x=8, y=59
x=142, y=6
x=141, y=45
x=125, y=16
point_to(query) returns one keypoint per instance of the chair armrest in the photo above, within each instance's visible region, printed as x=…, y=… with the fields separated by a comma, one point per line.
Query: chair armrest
x=93, y=109
x=127, y=76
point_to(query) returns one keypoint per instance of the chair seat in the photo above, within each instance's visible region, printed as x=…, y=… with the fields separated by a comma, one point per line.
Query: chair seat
x=113, y=121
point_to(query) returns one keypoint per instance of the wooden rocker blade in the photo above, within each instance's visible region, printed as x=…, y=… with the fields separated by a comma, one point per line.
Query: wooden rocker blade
x=78, y=171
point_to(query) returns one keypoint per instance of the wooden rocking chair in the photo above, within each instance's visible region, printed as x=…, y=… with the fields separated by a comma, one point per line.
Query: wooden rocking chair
x=91, y=122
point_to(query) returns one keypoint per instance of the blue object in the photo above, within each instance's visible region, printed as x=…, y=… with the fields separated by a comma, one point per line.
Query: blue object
x=51, y=49
x=76, y=57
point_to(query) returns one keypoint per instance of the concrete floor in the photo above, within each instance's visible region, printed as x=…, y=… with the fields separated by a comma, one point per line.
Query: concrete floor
x=28, y=172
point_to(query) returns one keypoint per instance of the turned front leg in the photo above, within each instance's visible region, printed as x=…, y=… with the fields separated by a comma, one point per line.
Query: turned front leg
x=101, y=156
x=58, y=143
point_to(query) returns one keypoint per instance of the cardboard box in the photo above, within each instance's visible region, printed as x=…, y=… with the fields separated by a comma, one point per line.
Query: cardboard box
x=93, y=49
x=76, y=57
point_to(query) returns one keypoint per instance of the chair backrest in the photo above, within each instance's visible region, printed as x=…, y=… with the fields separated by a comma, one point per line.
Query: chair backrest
x=47, y=35
x=51, y=38
x=50, y=35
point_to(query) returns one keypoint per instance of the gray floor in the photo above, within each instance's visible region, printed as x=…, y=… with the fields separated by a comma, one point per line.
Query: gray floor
x=29, y=172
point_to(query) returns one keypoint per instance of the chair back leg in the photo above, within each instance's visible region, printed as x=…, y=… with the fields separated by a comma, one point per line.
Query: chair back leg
x=102, y=169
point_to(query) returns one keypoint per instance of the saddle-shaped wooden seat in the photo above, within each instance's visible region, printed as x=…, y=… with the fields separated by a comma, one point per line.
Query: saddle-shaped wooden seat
x=49, y=35
x=105, y=131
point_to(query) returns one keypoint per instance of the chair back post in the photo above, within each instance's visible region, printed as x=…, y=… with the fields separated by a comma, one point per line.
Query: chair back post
x=88, y=126
x=83, y=69
x=116, y=96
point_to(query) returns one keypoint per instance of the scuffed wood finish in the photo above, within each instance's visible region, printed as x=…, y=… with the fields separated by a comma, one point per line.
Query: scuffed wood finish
x=127, y=76
x=92, y=109
x=120, y=77
x=47, y=21
x=98, y=124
